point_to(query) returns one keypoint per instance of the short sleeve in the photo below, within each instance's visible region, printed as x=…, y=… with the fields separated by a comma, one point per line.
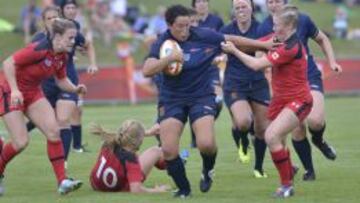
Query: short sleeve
x=134, y=173
x=61, y=72
x=280, y=56
x=155, y=50
x=28, y=55
x=312, y=30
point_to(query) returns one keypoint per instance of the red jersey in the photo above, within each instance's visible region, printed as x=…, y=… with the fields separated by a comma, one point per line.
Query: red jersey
x=115, y=170
x=289, y=71
x=37, y=62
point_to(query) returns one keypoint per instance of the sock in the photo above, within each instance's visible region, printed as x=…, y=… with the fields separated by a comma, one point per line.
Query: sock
x=55, y=152
x=193, y=138
x=8, y=152
x=161, y=164
x=282, y=162
x=30, y=126
x=208, y=162
x=260, y=148
x=303, y=150
x=66, y=137
x=176, y=170
x=77, y=136
x=244, y=140
x=236, y=136
x=317, y=135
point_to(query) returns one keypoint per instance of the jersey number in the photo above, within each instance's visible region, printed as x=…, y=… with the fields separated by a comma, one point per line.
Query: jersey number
x=105, y=173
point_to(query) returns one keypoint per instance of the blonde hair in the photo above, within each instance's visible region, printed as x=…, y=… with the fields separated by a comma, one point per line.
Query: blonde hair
x=130, y=134
x=289, y=15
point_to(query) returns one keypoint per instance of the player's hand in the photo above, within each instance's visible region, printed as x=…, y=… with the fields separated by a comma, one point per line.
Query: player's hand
x=219, y=59
x=16, y=98
x=162, y=188
x=228, y=47
x=272, y=43
x=336, y=68
x=176, y=56
x=92, y=69
x=81, y=89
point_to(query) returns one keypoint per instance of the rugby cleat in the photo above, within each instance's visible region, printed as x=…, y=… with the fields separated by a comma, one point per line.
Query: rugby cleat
x=206, y=181
x=284, y=192
x=243, y=158
x=260, y=174
x=69, y=185
x=309, y=176
x=327, y=150
x=182, y=194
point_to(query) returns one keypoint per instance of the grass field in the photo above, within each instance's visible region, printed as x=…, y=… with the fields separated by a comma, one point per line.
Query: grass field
x=322, y=13
x=29, y=177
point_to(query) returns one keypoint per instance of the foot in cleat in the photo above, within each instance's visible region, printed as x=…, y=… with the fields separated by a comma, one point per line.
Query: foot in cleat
x=69, y=185
x=260, y=174
x=284, y=192
x=309, y=176
x=182, y=194
x=244, y=158
x=206, y=181
x=327, y=150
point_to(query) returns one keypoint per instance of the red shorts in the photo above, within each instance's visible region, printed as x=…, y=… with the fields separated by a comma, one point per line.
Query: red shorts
x=301, y=108
x=5, y=99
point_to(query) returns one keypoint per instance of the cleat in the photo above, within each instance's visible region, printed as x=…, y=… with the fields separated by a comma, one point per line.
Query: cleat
x=182, y=194
x=82, y=149
x=68, y=185
x=206, y=181
x=309, y=176
x=327, y=150
x=243, y=158
x=260, y=174
x=284, y=192
x=2, y=188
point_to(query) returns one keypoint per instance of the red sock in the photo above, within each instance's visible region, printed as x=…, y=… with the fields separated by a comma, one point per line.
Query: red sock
x=161, y=164
x=290, y=163
x=282, y=162
x=56, y=155
x=8, y=152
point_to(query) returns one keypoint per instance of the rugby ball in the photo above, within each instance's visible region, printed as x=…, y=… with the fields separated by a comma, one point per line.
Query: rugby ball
x=166, y=49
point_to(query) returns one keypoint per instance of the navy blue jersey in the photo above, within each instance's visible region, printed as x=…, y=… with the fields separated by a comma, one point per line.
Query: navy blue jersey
x=202, y=46
x=306, y=29
x=40, y=36
x=236, y=71
x=212, y=22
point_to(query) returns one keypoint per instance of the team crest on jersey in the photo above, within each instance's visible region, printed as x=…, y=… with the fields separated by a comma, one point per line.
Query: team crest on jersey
x=48, y=62
x=275, y=55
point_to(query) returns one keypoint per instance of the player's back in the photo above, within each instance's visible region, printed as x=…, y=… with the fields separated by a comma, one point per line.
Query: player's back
x=114, y=170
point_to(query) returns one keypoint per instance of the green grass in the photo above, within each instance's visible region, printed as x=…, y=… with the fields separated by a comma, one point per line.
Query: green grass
x=322, y=13
x=29, y=177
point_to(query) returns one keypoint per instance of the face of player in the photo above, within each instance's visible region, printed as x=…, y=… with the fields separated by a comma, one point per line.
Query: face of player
x=274, y=5
x=65, y=42
x=242, y=10
x=49, y=19
x=70, y=11
x=202, y=6
x=281, y=30
x=180, y=29
x=194, y=20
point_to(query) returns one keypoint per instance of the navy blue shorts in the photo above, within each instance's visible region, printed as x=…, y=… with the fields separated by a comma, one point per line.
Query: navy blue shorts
x=316, y=83
x=257, y=91
x=54, y=93
x=194, y=109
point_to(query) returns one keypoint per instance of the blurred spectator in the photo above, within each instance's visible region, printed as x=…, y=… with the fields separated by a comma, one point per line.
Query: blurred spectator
x=340, y=25
x=157, y=24
x=103, y=21
x=29, y=18
x=118, y=7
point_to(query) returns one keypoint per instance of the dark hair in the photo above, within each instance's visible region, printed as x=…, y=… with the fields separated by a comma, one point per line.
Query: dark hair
x=192, y=12
x=66, y=2
x=175, y=11
x=48, y=9
x=193, y=2
x=61, y=25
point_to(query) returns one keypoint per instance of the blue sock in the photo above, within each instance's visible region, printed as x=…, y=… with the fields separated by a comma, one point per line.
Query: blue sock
x=244, y=140
x=236, y=136
x=77, y=136
x=176, y=170
x=30, y=126
x=260, y=148
x=66, y=137
x=303, y=149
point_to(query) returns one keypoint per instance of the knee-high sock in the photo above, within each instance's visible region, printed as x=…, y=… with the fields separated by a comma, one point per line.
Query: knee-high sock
x=282, y=162
x=303, y=149
x=176, y=170
x=55, y=152
x=8, y=152
x=260, y=149
x=77, y=136
x=66, y=137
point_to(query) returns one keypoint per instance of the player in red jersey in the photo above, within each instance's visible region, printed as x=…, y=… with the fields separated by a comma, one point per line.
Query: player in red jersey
x=21, y=94
x=291, y=101
x=118, y=168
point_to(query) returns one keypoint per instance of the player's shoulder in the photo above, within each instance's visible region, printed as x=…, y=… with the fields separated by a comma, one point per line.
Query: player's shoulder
x=228, y=27
x=125, y=156
x=293, y=47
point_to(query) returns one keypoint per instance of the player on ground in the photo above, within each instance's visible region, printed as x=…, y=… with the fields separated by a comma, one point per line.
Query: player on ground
x=291, y=101
x=246, y=91
x=189, y=94
x=316, y=120
x=21, y=95
x=118, y=167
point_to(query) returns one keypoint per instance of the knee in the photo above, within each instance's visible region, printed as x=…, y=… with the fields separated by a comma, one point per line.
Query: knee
x=260, y=131
x=316, y=122
x=63, y=121
x=169, y=152
x=271, y=138
x=21, y=144
x=53, y=132
x=243, y=124
x=299, y=133
x=207, y=147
